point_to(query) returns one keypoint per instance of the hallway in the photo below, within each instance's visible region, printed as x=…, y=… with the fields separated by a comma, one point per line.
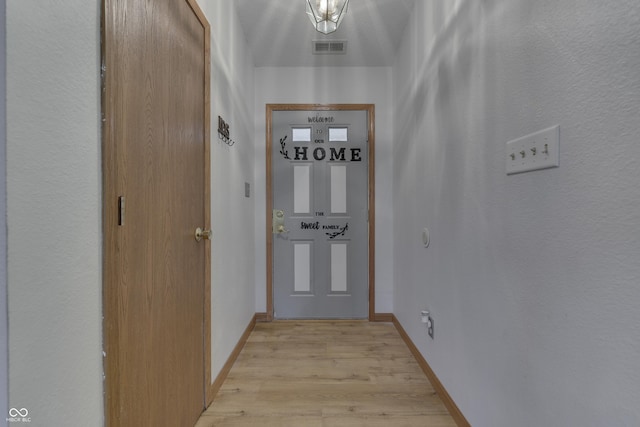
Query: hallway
x=326, y=373
x=531, y=278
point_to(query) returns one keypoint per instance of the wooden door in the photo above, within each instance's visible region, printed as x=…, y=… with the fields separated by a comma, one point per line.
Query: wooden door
x=156, y=192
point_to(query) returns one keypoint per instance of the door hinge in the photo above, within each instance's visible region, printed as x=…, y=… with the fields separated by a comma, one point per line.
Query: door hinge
x=121, y=210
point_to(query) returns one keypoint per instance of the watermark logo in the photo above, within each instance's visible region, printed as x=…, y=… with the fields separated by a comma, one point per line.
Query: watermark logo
x=19, y=415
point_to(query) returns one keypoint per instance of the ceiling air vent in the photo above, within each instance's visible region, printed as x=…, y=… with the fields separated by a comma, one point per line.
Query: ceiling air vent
x=329, y=47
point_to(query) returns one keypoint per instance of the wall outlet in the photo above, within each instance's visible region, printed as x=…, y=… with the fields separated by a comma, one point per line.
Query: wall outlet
x=539, y=150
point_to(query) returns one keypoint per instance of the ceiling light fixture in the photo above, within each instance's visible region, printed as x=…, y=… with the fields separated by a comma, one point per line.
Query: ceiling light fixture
x=326, y=15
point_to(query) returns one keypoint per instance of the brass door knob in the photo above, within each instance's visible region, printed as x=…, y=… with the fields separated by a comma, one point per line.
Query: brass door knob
x=200, y=234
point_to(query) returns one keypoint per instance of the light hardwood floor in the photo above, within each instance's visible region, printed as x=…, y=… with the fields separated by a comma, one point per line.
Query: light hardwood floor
x=326, y=373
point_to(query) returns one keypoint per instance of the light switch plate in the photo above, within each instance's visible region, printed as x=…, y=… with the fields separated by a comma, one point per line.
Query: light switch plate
x=540, y=150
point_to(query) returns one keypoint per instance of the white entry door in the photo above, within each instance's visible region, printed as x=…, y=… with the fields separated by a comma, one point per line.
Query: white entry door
x=320, y=214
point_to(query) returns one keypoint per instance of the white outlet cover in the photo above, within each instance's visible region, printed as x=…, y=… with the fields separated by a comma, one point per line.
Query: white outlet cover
x=540, y=150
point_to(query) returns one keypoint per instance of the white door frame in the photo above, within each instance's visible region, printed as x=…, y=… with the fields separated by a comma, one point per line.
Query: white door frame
x=370, y=109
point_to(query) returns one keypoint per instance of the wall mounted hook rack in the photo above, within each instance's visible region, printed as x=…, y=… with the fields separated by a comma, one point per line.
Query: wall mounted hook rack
x=223, y=132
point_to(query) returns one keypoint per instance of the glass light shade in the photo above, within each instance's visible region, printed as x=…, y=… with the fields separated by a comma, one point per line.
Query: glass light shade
x=326, y=15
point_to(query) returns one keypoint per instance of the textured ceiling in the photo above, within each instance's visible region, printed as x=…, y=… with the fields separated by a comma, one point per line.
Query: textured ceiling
x=279, y=32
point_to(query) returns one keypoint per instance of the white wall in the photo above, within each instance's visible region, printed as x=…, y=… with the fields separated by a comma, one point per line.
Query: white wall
x=54, y=211
x=340, y=85
x=532, y=279
x=54, y=204
x=233, y=282
x=4, y=315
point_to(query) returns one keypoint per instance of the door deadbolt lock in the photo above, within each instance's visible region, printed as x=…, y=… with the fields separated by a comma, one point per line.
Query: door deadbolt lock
x=278, y=222
x=202, y=234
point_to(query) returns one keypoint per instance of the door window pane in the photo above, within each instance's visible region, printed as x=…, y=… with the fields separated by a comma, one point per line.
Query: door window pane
x=337, y=134
x=301, y=134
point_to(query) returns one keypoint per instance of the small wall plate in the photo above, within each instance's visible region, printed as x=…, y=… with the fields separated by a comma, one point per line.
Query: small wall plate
x=539, y=150
x=425, y=237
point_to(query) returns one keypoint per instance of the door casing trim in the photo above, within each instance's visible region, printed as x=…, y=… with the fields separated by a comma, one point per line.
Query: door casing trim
x=370, y=109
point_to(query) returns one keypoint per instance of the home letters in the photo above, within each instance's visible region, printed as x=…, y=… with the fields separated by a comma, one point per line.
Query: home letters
x=335, y=154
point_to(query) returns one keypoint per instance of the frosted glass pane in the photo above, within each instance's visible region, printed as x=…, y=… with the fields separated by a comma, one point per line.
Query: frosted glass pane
x=302, y=267
x=301, y=134
x=338, y=189
x=339, y=267
x=337, y=134
x=301, y=177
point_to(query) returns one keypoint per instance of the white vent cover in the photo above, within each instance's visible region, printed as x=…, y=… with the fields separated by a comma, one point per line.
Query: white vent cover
x=329, y=47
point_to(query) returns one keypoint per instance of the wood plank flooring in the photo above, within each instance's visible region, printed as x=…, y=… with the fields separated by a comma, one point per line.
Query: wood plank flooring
x=326, y=374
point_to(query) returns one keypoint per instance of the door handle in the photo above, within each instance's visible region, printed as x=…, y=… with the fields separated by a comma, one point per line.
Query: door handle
x=200, y=234
x=278, y=222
